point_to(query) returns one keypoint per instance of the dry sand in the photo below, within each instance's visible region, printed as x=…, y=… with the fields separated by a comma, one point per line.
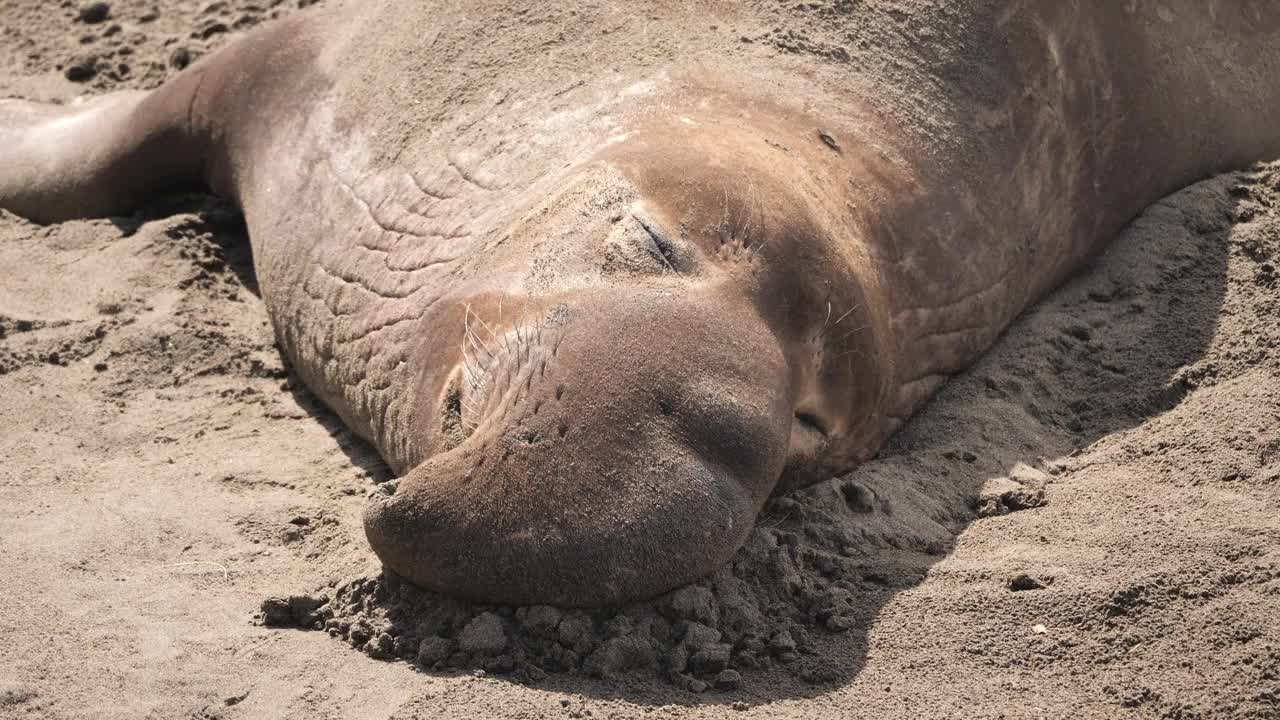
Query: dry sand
x=1084, y=525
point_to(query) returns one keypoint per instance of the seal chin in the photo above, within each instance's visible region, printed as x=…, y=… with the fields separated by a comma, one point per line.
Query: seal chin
x=613, y=461
x=447, y=533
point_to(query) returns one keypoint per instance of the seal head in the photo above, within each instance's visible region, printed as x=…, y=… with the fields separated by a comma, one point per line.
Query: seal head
x=701, y=338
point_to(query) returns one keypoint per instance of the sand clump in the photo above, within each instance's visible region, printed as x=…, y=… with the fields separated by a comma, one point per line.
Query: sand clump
x=792, y=580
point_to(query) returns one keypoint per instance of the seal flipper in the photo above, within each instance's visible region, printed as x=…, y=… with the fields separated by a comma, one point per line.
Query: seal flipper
x=99, y=157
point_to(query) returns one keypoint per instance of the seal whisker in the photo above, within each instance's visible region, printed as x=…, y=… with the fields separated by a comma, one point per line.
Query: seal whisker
x=506, y=343
x=818, y=335
x=493, y=336
x=471, y=335
x=469, y=331
x=748, y=222
x=847, y=335
x=468, y=363
x=724, y=216
x=521, y=343
x=847, y=314
x=858, y=351
x=542, y=315
x=478, y=343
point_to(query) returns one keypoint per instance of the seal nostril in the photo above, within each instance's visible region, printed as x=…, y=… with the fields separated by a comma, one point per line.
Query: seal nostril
x=559, y=391
x=563, y=430
x=664, y=406
x=811, y=422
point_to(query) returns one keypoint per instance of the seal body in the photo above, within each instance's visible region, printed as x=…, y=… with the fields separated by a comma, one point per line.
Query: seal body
x=594, y=296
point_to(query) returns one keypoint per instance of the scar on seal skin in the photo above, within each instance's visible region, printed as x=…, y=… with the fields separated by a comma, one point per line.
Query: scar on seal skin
x=593, y=316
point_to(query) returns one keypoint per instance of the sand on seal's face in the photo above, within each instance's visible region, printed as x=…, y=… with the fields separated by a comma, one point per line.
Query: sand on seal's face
x=162, y=474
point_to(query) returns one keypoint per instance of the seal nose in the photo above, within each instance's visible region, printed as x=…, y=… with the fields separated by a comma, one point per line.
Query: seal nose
x=634, y=462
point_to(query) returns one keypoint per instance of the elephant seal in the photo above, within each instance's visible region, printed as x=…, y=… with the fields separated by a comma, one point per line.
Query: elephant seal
x=596, y=282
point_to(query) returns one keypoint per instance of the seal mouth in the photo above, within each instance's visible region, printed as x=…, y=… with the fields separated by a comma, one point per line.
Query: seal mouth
x=499, y=366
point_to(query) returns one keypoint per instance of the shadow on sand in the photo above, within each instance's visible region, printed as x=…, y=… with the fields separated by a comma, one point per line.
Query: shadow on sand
x=791, y=615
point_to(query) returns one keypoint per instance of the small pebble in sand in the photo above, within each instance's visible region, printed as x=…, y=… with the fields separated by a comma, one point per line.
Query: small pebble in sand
x=81, y=68
x=483, y=636
x=782, y=643
x=434, y=650
x=292, y=611
x=1024, y=582
x=729, y=680
x=541, y=620
x=180, y=58
x=711, y=658
x=94, y=12
x=858, y=497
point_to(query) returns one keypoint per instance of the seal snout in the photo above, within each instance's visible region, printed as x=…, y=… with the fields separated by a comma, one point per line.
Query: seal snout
x=634, y=462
